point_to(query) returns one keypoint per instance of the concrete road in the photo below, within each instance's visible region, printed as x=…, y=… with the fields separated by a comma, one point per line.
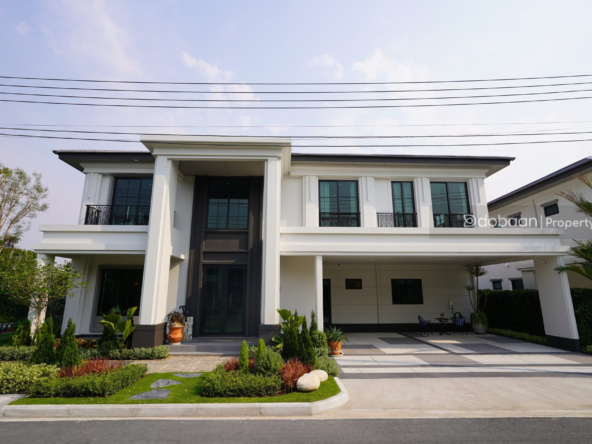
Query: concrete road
x=368, y=431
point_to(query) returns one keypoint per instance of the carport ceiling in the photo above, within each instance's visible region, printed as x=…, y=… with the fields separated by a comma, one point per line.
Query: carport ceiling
x=422, y=260
x=221, y=168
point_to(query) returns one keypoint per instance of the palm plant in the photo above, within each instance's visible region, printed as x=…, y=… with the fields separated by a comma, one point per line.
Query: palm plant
x=478, y=300
x=577, y=198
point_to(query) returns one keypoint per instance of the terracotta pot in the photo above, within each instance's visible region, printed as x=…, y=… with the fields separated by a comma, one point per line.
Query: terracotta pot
x=175, y=335
x=335, y=347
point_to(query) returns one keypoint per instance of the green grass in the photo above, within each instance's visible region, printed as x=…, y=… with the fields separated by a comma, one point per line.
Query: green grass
x=187, y=392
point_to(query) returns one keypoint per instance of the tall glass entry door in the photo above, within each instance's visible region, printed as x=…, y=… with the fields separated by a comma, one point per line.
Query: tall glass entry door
x=224, y=289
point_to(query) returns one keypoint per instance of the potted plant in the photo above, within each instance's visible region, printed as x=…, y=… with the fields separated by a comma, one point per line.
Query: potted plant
x=176, y=324
x=442, y=315
x=334, y=338
x=478, y=300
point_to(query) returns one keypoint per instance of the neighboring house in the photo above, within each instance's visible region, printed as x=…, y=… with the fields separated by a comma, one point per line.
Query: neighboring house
x=538, y=205
x=235, y=228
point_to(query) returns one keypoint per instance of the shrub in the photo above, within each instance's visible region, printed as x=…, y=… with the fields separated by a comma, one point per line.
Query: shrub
x=515, y=310
x=108, y=341
x=291, y=371
x=582, y=303
x=518, y=335
x=224, y=384
x=261, y=351
x=158, y=352
x=231, y=365
x=16, y=377
x=67, y=352
x=87, y=343
x=243, y=358
x=99, y=365
x=328, y=364
x=90, y=385
x=322, y=351
x=22, y=334
x=44, y=345
x=270, y=364
x=319, y=339
x=588, y=350
x=308, y=354
x=291, y=347
x=16, y=353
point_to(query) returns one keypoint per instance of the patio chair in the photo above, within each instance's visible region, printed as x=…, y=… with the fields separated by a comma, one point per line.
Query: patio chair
x=425, y=326
x=459, y=323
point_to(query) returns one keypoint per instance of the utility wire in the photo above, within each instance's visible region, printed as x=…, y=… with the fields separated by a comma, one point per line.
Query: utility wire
x=294, y=83
x=305, y=137
x=294, y=107
x=549, y=85
x=373, y=99
x=306, y=146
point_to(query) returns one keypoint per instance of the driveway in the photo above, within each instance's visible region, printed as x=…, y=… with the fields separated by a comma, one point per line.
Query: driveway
x=390, y=375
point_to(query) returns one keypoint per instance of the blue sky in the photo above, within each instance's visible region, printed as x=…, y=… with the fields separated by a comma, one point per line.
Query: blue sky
x=302, y=41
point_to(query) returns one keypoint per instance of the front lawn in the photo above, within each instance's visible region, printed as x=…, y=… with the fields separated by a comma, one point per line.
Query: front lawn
x=187, y=392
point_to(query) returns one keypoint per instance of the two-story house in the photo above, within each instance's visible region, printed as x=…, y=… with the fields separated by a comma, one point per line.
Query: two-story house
x=235, y=228
x=537, y=204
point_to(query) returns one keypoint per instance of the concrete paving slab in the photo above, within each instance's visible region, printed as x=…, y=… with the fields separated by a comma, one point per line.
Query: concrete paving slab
x=385, y=370
x=497, y=359
x=544, y=359
x=399, y=360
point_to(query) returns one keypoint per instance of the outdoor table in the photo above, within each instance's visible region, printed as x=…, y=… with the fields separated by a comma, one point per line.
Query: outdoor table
x=443, y=321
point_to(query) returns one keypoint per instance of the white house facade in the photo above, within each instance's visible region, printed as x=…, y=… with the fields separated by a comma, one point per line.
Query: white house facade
x=538, y=205
x=235, y=228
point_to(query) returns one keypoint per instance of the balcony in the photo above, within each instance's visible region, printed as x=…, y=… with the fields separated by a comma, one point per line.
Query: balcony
x=117, y=215
x=339, y=219
x=397, y=220
x=454, y=220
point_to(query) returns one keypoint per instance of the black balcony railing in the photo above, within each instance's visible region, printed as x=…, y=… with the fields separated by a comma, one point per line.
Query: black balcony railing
x=117, y=215
x=454, y=220
x=339, y=219
x=397, y=219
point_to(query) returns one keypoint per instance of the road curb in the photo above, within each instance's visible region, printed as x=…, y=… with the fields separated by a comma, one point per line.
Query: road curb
x=296, y=409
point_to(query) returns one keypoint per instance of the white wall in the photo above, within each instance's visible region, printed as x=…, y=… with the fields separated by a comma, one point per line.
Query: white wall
x=292, y=202
x=297, y=284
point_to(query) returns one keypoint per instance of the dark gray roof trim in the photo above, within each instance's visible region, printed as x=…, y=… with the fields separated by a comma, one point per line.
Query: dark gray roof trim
x=533, y=187
x=403, y=158
x=74, y=158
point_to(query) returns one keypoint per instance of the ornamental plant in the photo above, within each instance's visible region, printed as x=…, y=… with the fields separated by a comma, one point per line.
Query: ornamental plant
x=22, y=334
x=290, y=327
x=243, y=358
x=67, y=353
x=308, y=354
x=261, y=351
x=291, y=371
x=44, y=345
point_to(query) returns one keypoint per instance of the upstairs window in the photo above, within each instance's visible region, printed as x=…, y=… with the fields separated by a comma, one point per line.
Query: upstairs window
x=515, y=219
x=450, y=203
x=551, y=210
x=130, y=204
x=339, y=203
x=132, y=191
x=403, y=205
x=496, y=284
x=228, y=204
x=517, y=284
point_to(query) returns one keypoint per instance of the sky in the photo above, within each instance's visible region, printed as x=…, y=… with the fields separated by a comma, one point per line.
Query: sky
x=294, y=41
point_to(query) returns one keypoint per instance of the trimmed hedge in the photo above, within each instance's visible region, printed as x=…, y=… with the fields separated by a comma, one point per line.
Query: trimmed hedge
x=223, y=384
x=17, y=377
x=16, y=353
x=158, y=352
x=582, y=302
x=91, y=385
x=518, y=335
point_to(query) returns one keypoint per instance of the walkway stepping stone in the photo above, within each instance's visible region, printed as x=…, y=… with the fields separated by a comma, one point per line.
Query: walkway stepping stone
x=152, y=394
x=164, y=383
x=187, y=375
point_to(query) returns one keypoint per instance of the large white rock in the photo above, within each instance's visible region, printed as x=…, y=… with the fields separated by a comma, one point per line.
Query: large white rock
x=321, y=374
x=308, y=383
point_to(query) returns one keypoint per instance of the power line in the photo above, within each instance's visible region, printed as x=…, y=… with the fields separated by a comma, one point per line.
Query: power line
x=306, y=137
x=549, y=85
x=308, y=146
x=380, y=99
x=294, y=83
x=295, y=107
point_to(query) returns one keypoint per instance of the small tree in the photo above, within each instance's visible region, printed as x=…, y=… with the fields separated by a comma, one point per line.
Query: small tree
x=22, y=198
x=243, y=358
x=67, y=353
x=261, y=351
x=44, y=345
x=478, y=300
x=308, y=354
x=22, y=334
x=37, y=287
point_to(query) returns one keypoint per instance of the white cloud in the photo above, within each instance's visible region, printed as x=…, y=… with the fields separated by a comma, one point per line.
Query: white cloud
x=211, y=72
x=22, y=28
x=335, y=69
x=380, y=67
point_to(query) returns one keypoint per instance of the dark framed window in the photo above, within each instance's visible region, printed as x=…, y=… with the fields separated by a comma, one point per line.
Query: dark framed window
x=353, y=284
x=514, y=220
x=497, y=284
x=130, y=204
x=551, y=210
x=517, y=284
x=406, y=291
x=228, y=204
x=403, y=204
x=339, y=203
x=450, y=203
x=119, y=289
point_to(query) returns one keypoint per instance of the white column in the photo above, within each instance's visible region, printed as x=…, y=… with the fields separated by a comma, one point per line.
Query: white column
x=319, y=291
x=477, y=198
x=423, y=202
x=367, y=202
x=158, y=252
x=92, y=193
x=270, y=294
x=556, y=304
x=75, y=302
x=42, y=259
x=310, y=199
